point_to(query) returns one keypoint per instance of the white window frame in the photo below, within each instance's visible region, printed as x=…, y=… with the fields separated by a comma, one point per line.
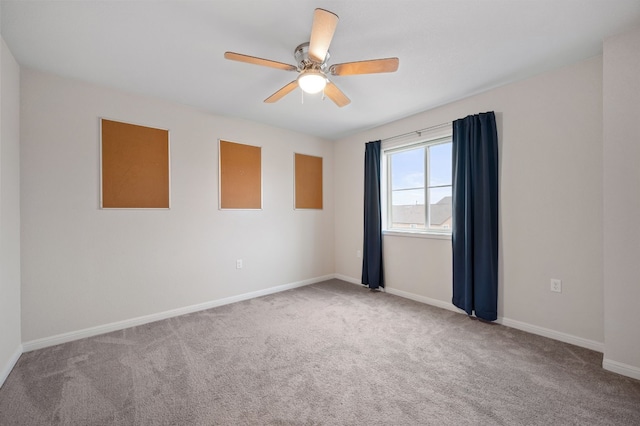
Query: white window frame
x=436, y=136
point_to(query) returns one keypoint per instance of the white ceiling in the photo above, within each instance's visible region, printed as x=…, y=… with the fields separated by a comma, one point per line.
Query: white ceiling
x=448, y=49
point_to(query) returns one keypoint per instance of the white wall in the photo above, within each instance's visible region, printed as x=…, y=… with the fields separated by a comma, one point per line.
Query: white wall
x=84, y=267
x=550, y=146
x=622, y=203
x=10, y=347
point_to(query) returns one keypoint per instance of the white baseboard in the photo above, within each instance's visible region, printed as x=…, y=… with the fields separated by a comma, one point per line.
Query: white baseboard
x=106, y=328
x=355, y=281
x=119, y=325
x=347, y=279
x=6, y=369
x=426, y=300
x=553, y=334
x=620, y=368
x=523, y=326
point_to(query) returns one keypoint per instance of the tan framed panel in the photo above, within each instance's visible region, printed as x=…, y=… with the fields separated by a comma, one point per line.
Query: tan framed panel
x=134, y=163
x=240, y=176
x=308, y=181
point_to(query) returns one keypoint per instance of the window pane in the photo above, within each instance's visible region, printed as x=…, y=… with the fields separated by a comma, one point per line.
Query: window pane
x=440, y=164
x=407, y=169
x=407, y=189
x=440, y=208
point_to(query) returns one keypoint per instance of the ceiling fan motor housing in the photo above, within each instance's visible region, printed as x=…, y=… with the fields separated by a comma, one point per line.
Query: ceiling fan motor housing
x=301, y=54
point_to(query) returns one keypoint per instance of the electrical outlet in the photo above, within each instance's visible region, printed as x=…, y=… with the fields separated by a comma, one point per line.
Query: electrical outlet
x=556, y=285
x=239, y=264
x=358, y=254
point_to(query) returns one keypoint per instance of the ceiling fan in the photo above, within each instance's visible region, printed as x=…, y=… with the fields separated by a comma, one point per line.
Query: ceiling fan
x=312, y=65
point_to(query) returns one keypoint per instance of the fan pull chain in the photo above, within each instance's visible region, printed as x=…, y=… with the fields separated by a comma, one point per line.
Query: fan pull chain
x=302, y=97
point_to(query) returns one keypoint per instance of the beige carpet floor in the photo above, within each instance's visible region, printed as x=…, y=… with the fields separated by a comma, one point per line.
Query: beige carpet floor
x=332, y=353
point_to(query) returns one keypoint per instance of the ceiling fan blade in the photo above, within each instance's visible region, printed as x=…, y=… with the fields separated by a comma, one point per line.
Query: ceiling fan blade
x=258, y=61
x=336, y=95
x=324, y=25
x=365, y=67
x=282, y=92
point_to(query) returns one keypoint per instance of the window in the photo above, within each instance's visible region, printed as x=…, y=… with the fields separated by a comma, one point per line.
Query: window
x=418, y=179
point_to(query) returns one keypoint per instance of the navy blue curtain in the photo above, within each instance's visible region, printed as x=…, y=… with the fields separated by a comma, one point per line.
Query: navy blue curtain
x=372, y=273
x=475, y=215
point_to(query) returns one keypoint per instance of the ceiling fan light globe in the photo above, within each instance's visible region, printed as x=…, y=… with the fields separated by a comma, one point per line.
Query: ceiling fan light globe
x=312, y=81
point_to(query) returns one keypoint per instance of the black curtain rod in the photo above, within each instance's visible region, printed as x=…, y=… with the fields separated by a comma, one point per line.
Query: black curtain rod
x=418, y=132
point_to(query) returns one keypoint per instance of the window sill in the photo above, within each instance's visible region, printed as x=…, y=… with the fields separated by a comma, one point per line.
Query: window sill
x=427, y=235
